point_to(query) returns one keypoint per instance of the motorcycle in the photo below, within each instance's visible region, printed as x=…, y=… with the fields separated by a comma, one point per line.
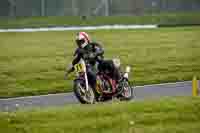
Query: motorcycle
x=106, y=88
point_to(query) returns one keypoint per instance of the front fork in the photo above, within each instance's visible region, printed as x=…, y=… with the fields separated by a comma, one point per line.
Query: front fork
x=83, y=76
x=86, y=81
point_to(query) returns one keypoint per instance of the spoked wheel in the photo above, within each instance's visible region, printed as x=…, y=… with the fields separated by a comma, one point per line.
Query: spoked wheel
x=127, y=92
x=84, y=96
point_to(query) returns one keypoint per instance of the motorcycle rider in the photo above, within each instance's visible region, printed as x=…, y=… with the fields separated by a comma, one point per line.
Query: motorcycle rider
x=92, y=53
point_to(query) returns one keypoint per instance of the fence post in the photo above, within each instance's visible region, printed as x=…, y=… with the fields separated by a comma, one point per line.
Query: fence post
x=194, y=86
x=42, y=7
x=74, y=8
x=106, y=7
x=12, y=8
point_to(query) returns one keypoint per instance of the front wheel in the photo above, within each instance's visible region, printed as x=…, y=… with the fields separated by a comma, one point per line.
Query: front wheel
x=84, y=96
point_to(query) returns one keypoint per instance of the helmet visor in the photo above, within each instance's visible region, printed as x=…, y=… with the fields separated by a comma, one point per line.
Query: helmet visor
x=80, y=42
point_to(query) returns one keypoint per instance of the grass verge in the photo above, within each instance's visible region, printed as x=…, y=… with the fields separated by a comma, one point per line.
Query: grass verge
x=34, y=63
x=162, y=18
x=167, y=115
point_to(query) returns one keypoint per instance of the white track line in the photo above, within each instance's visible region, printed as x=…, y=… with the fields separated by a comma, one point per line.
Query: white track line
x=29, y=97
x=164, y=84
x=103, y=27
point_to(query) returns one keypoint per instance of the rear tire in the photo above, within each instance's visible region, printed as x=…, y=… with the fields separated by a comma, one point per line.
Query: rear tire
x=87, y=97
x=128, y=92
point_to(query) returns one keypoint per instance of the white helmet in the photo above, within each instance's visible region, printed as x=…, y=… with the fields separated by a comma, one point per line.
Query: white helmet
x=82, y=39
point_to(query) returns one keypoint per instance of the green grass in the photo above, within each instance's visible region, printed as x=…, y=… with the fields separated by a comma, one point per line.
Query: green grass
x=169, y=115
x=162, y=18
x=34, y=63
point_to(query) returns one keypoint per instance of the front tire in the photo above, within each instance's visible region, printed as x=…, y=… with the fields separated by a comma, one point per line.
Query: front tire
x=84, y=96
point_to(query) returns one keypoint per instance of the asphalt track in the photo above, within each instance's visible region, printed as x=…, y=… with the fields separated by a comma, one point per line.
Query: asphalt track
x=53, y=100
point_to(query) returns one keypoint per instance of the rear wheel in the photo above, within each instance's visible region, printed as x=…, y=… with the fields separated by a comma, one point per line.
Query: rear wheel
x=84, y=96
x=127, y=92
